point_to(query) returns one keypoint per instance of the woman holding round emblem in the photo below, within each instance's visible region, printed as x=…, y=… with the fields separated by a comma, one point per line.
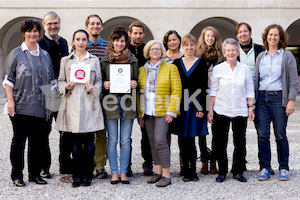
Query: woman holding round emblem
x=80, y=112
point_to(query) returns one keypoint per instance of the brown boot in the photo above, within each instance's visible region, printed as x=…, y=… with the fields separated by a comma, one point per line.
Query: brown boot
x=213, y=167
x=204, y=169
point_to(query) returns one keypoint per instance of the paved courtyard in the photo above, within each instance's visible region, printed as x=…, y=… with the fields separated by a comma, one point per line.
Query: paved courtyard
x=206, y=188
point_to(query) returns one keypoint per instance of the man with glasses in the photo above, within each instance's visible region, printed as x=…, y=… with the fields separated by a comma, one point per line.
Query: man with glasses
x=97, y=46
x=57, y=47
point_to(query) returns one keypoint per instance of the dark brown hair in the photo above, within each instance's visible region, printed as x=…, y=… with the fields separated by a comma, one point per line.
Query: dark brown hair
x=284, y=38
x=166, y=38
x=240, y=24
x=136, y=23
x=82, y=31
x=118, y=32
x=29, y=24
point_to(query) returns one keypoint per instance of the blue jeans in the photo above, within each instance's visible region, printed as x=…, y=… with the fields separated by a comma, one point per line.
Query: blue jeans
x=112, y=126
x=269, y=109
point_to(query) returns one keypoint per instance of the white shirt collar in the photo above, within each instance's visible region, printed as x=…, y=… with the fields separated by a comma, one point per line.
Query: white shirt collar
x=25, y=47
x=87, y=56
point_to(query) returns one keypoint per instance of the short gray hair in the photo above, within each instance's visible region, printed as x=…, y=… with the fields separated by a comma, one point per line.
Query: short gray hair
x=230, y=41
x=51, y=14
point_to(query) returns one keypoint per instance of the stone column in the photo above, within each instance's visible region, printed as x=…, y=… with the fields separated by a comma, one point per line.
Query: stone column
x=2, y=90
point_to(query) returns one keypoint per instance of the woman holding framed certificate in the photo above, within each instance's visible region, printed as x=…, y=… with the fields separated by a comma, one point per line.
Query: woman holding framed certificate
x=160, y=89
x=120, y=69
x=80, y=112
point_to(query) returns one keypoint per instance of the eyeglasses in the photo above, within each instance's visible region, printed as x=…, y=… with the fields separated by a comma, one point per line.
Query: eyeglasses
x=155, y=49
x=29, y=20
x=51, y=24
x=230, y=50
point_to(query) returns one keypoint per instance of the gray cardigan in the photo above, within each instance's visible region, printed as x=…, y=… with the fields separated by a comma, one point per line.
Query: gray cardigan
x=289, y=76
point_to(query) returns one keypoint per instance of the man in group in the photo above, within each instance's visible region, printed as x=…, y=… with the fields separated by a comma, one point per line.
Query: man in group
x=136, y=46
x=57, y=47
x=97, y=46
x=248, y=49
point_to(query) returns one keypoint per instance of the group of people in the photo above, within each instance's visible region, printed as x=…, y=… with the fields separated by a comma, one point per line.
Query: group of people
x=168, y=94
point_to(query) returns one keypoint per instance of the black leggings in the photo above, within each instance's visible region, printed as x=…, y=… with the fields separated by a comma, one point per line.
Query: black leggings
x=188, y=154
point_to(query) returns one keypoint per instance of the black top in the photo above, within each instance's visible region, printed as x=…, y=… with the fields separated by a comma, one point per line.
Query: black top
x=56, y=50
x=195, y=78
x=139, y=53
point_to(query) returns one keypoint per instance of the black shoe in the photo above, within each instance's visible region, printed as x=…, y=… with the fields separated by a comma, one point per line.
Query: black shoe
x=19, y=182
x=181, y=171
x=125, y=181
x=129, y=172
x=115, y=182
x=148, y=170
x=38, y=180
x=101, y=173
x=45, y=174
x=239, y=177
x=76, y=183
x=185, y=179
x=86, y=182
x=194, y=177
x=221, y=178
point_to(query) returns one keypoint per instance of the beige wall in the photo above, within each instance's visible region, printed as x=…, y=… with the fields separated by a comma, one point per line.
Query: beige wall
x=159, y=15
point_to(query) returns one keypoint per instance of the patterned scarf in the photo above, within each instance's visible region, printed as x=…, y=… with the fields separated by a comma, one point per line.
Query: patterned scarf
x=120, y=58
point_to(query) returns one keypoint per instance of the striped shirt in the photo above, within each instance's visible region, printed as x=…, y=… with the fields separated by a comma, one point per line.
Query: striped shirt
x=98, y=50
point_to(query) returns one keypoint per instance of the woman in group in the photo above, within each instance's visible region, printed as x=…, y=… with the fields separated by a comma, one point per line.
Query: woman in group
x=28, y=68
x=117, y=111
x=231, y=101
x=160, y=88
x=276, y=83
x=193, y=73
x=80, y=112
x=172, y=41
x=210, y=49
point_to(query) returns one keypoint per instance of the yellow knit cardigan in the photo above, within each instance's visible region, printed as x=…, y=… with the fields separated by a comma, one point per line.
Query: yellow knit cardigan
x=168, y=90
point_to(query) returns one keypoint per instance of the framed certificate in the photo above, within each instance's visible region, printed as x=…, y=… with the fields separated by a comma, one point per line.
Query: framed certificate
x=120, y=78
x=80, y=73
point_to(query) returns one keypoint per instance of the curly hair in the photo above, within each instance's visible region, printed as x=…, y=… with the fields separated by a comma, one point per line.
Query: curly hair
x=202, y=47
x=284, y=38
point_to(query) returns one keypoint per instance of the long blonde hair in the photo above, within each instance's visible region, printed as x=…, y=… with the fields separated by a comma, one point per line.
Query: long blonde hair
x=216, y=50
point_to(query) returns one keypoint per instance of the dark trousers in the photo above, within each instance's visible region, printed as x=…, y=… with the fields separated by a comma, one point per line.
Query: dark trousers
x=145, y=148
x=35, y=129
x=46, y=159
x=83, y=156
x=203, y=148
x=188, y=155
x=65, y=151
x=220, y=129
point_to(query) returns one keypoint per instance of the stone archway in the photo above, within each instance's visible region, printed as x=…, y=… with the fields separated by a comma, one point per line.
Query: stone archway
x=294, y=44
x=225, y=27
x=124, y=21
x=11, y=38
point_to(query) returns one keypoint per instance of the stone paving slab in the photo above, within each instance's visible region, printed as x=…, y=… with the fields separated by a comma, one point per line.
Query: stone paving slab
x=206, y=188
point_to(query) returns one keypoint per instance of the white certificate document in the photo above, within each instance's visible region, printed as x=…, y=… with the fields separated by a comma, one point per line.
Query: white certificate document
x=120, y=78
x=80, y=73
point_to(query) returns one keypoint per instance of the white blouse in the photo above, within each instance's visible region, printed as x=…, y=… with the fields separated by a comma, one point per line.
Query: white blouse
x=231, y=89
